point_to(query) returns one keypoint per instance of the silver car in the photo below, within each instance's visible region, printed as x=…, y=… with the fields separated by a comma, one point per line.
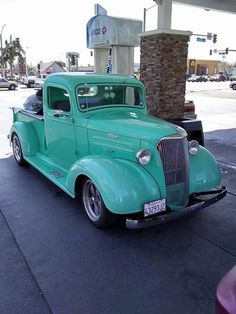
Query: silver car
x=233, y=85
x=4, y=83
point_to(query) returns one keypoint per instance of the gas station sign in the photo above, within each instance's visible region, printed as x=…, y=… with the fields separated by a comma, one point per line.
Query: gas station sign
x=99, y=10
x=105, y=31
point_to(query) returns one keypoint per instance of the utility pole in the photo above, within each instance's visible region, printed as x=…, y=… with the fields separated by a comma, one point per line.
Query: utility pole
x=2, y=65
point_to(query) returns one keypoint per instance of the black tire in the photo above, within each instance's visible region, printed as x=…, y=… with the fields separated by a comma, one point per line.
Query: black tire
x=30, y=84
x=12, y=87
x=94, y=206
x=234, y=87
x=17, y=150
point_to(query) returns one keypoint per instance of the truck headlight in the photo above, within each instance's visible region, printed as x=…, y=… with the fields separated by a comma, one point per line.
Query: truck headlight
x=143, y=156
x=193, y=147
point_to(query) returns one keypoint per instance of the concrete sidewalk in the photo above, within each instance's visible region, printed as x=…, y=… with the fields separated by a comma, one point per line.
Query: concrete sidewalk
x=27, y=287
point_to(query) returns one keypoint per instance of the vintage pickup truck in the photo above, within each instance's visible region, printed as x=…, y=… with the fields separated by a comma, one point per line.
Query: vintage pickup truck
x=96, y=141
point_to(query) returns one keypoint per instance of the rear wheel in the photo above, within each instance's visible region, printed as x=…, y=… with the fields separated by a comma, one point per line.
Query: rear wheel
x=94, y=206
x=17, y=150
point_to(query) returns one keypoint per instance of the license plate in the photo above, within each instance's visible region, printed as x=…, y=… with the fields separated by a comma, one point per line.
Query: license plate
x=154, y=207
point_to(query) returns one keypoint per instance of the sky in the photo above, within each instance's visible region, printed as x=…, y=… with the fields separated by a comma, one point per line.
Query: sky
x=49, y=28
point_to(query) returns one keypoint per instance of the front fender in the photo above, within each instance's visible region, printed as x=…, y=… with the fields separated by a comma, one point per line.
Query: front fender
x=124, y=185
x=28, y=138
x=204, y=171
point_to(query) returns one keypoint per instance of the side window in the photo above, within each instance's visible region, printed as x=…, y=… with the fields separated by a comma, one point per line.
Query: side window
x=58, y=99
x=132, y=97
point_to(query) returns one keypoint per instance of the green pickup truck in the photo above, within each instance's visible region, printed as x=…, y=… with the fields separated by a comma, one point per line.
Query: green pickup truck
x=96, y=141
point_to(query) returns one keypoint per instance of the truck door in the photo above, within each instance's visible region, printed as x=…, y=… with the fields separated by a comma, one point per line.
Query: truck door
x=59, y=127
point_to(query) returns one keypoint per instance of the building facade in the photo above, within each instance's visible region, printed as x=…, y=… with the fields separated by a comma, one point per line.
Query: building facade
x=203, y=67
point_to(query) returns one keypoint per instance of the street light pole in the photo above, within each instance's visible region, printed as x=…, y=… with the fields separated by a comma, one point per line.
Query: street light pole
x=2, y=71
x=145, y=16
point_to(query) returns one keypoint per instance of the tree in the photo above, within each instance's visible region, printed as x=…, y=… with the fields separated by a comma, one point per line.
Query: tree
x=12, y=50
x=61, y=63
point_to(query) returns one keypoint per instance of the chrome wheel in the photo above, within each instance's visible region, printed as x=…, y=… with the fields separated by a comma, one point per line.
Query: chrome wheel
x=92, y=200
x=94, y=206
x=17, y=151
x=16, y=148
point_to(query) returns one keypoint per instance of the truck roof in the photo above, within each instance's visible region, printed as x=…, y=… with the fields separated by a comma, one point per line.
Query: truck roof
x=72, y=79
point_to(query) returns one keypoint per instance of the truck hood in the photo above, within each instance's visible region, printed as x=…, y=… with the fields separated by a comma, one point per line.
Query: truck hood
x=133, y=125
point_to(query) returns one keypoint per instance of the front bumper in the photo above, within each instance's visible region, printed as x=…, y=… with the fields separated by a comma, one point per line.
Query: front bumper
x=195, y=205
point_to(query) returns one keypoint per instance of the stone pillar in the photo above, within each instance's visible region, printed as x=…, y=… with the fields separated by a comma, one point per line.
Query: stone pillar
x=163, y=68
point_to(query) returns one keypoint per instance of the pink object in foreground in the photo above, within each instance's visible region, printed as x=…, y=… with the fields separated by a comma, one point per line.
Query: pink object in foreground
x=226, y=293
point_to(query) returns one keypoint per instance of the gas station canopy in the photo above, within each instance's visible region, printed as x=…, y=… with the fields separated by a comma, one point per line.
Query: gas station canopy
x=228, y=6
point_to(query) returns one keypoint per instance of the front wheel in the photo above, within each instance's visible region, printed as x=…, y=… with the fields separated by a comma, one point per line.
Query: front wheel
x=94, y=206
x=12, y=87
x=234, y=87
x=30, y=84
x=17, y=150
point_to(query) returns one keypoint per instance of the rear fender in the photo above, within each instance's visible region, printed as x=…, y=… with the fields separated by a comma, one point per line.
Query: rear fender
x=124, y=185
x=28, y=138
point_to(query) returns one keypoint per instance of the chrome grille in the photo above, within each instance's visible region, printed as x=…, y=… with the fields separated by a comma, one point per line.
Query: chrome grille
x=174, y=156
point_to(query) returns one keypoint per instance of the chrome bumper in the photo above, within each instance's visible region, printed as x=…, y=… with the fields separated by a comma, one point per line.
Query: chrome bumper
x=198, y=204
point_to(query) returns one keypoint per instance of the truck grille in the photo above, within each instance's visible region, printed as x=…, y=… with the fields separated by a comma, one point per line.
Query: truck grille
x=174, y=156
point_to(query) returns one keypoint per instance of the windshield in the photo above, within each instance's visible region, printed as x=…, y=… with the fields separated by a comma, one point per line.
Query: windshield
x=94, y=96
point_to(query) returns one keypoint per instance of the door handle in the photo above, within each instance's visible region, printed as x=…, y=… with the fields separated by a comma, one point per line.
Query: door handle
x=57, y=113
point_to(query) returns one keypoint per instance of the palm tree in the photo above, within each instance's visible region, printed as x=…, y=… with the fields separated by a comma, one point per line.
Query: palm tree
x=12, y=50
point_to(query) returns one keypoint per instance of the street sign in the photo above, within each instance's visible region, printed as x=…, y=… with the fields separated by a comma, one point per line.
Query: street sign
x=209, y=36
x=201, y=39
x=99, y=10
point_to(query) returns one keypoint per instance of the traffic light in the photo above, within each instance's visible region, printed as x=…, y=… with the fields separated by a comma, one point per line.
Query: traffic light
x=226, y=51
x=210, y=52
x=214, y=38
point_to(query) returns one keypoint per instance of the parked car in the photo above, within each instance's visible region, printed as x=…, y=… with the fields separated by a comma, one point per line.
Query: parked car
x=189, y=109
x=233, y=85
x=198, y=78
x=226, y=293
x=213, y=78
x=222, y=78
x=232, y=78
x=11, y=85
x=218, y=78
x=39, y=82
x=97, y=142
x=202, y=78
x=28, y=81
x=193, y=78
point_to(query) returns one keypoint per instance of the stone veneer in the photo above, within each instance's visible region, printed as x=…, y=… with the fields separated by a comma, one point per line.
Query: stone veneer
x=163, y=65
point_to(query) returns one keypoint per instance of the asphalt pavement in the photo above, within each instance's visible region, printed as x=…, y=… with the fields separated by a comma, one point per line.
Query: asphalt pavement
x=54, y=261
